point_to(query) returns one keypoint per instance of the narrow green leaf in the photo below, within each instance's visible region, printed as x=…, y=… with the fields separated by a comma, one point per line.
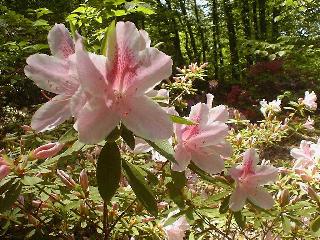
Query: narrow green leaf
x=175, y=194
x=108, y=171
x=10, y=196
x=140, y=187
x=69, y=136
x=30, y=181
x=224, y=205
x=108, y=38
x=164, y=148
x=240, y=219
x=72, y=28
x=315, y=224
x=128, y=137
x=181, y=120
x=114, y=135
x=286, y=224
x=175, y=217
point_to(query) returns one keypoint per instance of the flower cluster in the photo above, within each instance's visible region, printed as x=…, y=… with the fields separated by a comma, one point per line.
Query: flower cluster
x=307, y=155
x=100, y=91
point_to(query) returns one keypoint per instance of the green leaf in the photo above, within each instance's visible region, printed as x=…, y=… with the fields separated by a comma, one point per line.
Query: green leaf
x=176, y=188
x=240, y=219
x=128, y=137
x=286, y=224
x=114, y=135
x=181, y=120
x=145, y=10
x=315, y=224
x=176, y=216
x=106, y=40
x=69, y=136
x=224, y=205
x=140, y=187
x=10, y=196
x=164, y=148
x=108, y=171
x=30, y=181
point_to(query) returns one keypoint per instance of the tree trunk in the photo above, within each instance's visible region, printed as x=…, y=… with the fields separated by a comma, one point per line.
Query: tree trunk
x=216, y=43
x=246, y=26
x=275, y=26
x=176, y=40
x=200, y=31
x=189, y=28
x=255, y=19
x=234, y=58
x=262, y=19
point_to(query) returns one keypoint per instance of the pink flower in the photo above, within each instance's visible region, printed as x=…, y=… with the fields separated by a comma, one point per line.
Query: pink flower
x=203, y=143
x=118, y=85
x=249, y=177
x=4, y=168
x=310, y=100
x=48, y=150
x=309, y=124
x=176, y=230
x=56, y=74
x=304, y=155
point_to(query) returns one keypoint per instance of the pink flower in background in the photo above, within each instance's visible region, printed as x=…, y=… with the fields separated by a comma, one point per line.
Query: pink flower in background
x=118, y=85
x=309, y=124
x=176, y=230
x=56, y=74
x=310, y=100
x=4, y=168
x=249, y=178
x=203, y=143
x=306, y=156
x=47, y=150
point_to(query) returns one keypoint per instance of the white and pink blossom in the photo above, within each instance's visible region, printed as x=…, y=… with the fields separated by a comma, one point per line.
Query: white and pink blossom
x=56, y=74
x=309, y=124
x=176, y=230
x=310, y=100
x=249, y=178
x=204, y=142
x=271, y=107
x=118, y=84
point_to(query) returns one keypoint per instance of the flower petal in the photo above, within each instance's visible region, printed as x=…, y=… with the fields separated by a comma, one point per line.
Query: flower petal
x=77, y=102
x=147, y=119
x=95, y=121
x=50, y=73
x=264, y=174
x=261, y=198
x=237, y=199
x=235, y=172
x=219, y=113
x=60, y=41
x=89, y=72
x=210, y=163
x=51, y=114
x=250, y=159
x=141, y=146
x=210, y=135
x=182, y=157
x=153, y=67
x=199, y=114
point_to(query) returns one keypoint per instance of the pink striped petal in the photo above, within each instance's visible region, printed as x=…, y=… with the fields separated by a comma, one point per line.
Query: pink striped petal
x=60, y=41
x=51, y=114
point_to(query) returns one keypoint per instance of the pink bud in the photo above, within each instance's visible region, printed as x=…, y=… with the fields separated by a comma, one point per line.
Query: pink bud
x=83, y=179
x=47, y=150
x=66, y=179
x=4, y=168
x=26, y=128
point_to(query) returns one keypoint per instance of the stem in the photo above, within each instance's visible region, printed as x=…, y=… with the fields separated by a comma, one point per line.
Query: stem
x=105, y=221
x=121, y=215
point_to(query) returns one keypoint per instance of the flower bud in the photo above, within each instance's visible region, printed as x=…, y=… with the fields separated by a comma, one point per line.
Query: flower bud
x=4, y=168
x=47, y=150
x=66, y=179
x=83, y=179
x=284, y=197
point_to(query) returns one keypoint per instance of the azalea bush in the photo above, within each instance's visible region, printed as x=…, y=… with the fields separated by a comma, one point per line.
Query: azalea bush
x=117, y=153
